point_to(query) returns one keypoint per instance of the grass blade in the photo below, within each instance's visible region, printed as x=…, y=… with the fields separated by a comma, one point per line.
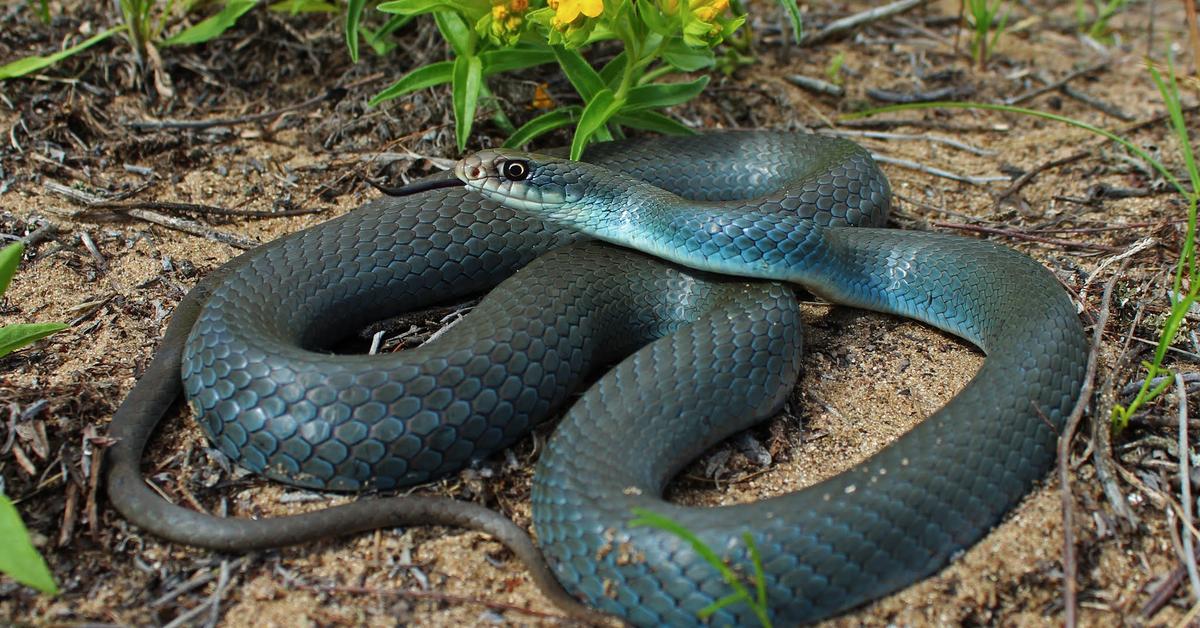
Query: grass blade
x=20, y=559
x=13, y=337
x=28, y=65
x=354, y=9
x=946, y=104
x=212, y=27
x=10, y=256
x=796, y=18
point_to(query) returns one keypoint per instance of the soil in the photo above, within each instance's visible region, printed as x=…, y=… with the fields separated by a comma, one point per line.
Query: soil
x=867, y=378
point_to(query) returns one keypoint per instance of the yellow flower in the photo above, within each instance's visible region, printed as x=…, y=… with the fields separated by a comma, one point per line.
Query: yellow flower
x=708, y=10
x=567, y=11
x=504, y=23
x=704, y=22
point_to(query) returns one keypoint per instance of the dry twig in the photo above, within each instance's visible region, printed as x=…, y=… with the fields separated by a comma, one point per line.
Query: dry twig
x=1098, y=104
x=1070, y=567
x=334, y=94
x=1045, y=89
x=1021, y=235
x=858, y=19
x=434, y=595
x=171, y=222
x=935, y=171
x=1185, y=483
x=923, y=137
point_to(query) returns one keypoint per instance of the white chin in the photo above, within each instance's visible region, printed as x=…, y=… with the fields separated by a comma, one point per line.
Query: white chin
x=518, y=202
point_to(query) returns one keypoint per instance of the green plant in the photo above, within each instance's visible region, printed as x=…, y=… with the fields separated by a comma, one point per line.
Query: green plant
x=33, y=63
x=487, y=37
x=1095, y=25
x=20, y=559
x=144, y=23
x=757, y=602
x=42, y=9
x=13, y=337
x=833, y=71
x=981, y=15
x=1181, y=299
x=377, y=39
x=1186, y=270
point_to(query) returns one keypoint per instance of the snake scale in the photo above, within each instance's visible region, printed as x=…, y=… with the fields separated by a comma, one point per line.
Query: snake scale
x=701, y=356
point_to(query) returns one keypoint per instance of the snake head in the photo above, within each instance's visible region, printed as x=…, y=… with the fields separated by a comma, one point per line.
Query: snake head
x=528, y=181
x=547, y=187
x=578, y=195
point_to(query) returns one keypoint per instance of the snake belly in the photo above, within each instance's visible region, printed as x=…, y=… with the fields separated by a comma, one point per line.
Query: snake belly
x=721, y=356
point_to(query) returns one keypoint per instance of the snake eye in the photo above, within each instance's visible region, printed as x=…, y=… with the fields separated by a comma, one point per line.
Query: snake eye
x=516, y=170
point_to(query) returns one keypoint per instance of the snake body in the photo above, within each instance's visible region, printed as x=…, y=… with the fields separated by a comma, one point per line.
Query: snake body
x=721, y=354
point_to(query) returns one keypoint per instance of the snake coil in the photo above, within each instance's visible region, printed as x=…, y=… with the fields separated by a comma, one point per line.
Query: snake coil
x=707, y=356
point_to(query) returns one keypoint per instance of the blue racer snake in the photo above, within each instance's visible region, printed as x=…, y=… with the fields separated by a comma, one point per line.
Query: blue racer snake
x=702, y=356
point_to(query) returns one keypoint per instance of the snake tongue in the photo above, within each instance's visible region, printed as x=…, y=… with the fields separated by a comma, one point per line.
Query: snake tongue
x=416, y=187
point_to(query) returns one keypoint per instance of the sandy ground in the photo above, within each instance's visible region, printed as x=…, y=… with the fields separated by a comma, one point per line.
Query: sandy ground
x=867, y=378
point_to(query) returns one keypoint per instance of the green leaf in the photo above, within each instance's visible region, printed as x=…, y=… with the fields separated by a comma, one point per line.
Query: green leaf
x=394, y=23
x=378, y=41
x=421, y=7
x=212, y=27
x=542, y=125
x=1169, y=90
x=43, y=11
x=656, y=20
x=13, y=337
x=595, y=115
x=707, y=611
x=456, y=31
x=643, y=517
x=20, y=559
x=354, y=9
x=650, y=518
x=21, y=67
x=468, y=79
x=760, y=577
x=797, y=20
x=499, y=118
x=584, y=79
x=730, y=26
x=420, y=78
x=496, y=61
x=659, y=95
x=652, y=121
x=10, y=256
x=296, y=7
x=685, y=58
x=611, y=72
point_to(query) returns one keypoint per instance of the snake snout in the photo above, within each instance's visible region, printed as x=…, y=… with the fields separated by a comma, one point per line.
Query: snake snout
x=471, y=169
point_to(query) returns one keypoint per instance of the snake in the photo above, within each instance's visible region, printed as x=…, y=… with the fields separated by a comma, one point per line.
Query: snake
x=677, y=260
